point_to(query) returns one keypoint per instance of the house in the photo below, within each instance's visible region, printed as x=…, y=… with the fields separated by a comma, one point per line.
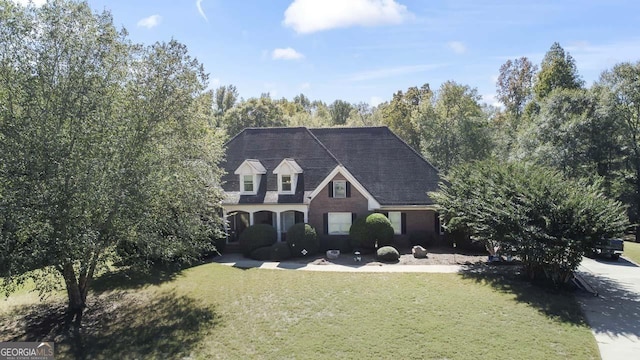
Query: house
x=327, y=177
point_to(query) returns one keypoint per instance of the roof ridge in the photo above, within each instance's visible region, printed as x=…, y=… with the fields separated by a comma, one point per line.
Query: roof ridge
x=349, y=127
x=322, y=145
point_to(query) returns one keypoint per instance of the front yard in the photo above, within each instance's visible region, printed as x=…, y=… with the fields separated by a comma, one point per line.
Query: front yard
x=632, y=251
x=214, y=311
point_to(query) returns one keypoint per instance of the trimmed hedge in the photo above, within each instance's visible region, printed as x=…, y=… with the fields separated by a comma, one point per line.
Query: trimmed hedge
x=257, y=236
x=302, y=237
x=367, y=232
x=279, y=251
x=262, y=254
x=388, y=254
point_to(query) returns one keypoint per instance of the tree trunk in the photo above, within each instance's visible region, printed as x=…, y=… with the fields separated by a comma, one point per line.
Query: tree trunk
x=76, y=297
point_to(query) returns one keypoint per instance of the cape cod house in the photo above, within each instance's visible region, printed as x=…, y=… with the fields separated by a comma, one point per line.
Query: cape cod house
x=326, y=177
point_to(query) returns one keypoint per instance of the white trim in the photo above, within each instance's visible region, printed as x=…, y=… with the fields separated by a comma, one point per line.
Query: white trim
x=291, y=168
x=250, y=166
x=372, y=203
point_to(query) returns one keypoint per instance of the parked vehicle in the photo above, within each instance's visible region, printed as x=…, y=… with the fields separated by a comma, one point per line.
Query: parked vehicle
x=611, y=248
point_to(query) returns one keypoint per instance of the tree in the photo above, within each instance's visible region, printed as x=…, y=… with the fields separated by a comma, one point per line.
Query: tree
x=255, y=112
x=101, y=142
x=515, y=85
x=620, y=94
x=558, y=71
x=400, y=114
x=454, y=127
x=545, y=219
x=340, y=111
x=225, y=99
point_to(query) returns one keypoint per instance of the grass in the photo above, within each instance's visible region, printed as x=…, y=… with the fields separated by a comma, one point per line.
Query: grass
x=632, y=251
x=217, y=312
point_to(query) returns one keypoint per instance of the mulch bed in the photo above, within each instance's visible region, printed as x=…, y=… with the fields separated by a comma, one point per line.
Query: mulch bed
x=435, y=256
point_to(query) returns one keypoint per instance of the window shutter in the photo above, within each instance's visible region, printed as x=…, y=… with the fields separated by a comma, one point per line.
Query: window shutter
x=348, y=189
x=403, y=223
x=330, y=189
x=325, y=222
x=437, y=223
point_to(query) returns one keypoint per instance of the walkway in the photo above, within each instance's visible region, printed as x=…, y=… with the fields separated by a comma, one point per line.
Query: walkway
x=614, y=315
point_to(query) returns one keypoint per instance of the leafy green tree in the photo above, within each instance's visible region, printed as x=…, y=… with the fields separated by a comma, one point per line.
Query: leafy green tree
x=255, y=112
x=454, y=127
x=225, y=99
x=515, y=85
x=558, y=71
x=532, y=211
x=400, y=114
x=620, y=95
x=101, y=142
x=340, y=111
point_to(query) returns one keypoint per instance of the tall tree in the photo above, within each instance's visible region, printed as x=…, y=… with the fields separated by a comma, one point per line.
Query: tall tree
x=400, y=114
x=557, y=71
x=101, y=142
x=255, y=112
x=225, y=99
x=515, y=86
x=340, y=111
x=454, y=127
x=620, y=88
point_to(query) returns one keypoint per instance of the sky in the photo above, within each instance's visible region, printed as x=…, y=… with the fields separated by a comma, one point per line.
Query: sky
x=366, y=50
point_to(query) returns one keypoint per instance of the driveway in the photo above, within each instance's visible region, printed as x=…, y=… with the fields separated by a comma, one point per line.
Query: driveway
x=614, y=315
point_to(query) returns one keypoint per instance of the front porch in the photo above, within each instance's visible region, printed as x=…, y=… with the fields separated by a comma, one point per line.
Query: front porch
x=281, y=217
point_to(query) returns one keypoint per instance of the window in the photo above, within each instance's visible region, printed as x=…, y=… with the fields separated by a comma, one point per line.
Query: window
x=247, y=183
x=288, y=220
x=340, y=189
x=286, y=183
x=396, y=222
x=339, y=223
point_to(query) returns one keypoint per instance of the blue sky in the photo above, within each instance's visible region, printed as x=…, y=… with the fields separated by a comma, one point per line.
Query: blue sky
x=365, y=50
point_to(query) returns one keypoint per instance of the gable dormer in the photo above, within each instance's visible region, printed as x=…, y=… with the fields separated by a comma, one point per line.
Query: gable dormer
x=250, y=172
x=287, y=172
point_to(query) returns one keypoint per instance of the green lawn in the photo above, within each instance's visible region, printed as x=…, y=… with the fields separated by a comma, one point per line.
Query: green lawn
x=632, y=251
x=217, y=312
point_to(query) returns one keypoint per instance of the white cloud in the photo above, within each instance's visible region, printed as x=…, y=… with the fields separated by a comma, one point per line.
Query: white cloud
x=199, y=6
x=150, y=22
x=308, y=16
x=457, y=47
x=393, y=71
x=286, y=54
x=305, y=86
x=491, y=99
x=36, y=3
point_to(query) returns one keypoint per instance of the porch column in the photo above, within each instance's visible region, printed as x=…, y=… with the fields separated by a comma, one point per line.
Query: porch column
x=251, y=218
x=225, y=224
x=278, y=226
x=306, y=215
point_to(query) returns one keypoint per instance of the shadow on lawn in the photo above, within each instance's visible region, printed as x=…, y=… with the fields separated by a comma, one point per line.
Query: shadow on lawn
x=554, y=303
x=132, y=278
x=118, y=325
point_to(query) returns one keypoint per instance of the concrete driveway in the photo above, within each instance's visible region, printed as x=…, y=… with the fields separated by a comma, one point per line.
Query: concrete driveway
x=614, y=315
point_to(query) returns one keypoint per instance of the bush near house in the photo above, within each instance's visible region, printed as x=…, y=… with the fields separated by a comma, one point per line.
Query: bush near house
x=388, y=254
x=303, y=240
x=279, y=251
x=257, y=236
x=371, y=232
x=261, y=254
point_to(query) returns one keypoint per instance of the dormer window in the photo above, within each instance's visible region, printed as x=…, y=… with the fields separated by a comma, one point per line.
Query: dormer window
x=286, y=183
x=250, y=173
x=287, y=171
x=247, y=183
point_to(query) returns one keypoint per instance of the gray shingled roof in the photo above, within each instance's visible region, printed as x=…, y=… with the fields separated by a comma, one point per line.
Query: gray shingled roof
x=271, y=146
x=386, y=166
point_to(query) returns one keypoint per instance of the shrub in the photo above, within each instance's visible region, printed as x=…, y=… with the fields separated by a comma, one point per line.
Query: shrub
x=257, y=236
x=262, y=253
x=302, y=237
x=280, y=251
x=388, y=254
x=367, y=232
